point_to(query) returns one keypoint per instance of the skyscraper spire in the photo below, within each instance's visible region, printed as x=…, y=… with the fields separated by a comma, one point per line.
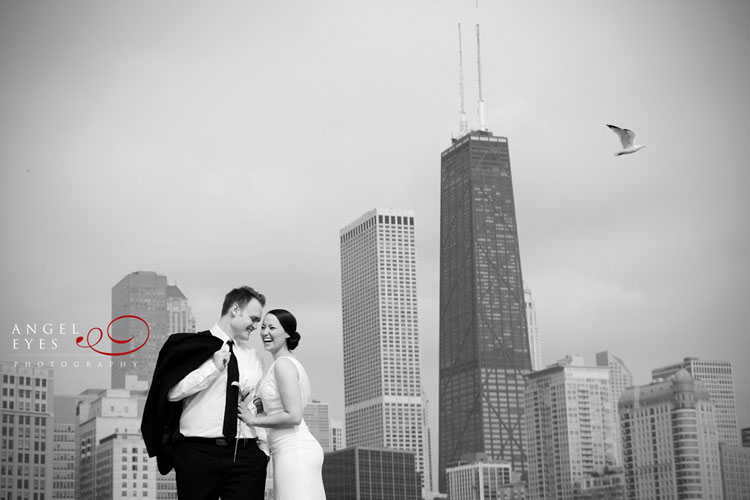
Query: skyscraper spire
x=480, y=97
x=480, y=101
x=463, y=125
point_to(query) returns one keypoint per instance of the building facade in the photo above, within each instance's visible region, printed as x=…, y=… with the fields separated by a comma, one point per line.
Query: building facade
x=429, y=471
x=718, y=380
x=363, y=473
x=670, y=441
x=382, y=365
x=122, y=469
x=64, y=442
x=484, y=343
x=620, y=379
x=735, y=471
x=26, y=425
x=535, y=346
x=479, y=480
x=179, y=313
x=163, y=307
x=609, y=485
x=338, y=436
x=112, y=461
x=318, y=419
x=569, y=429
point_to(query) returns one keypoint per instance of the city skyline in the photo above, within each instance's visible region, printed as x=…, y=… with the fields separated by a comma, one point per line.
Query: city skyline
x=128, y=141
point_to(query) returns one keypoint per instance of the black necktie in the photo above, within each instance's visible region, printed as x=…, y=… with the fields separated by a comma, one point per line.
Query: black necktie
x=230, y=408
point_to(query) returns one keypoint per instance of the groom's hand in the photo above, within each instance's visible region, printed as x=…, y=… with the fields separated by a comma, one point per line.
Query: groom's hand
x=221, y=358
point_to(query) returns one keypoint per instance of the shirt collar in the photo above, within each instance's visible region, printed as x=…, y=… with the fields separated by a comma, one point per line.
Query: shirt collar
x=216, y=331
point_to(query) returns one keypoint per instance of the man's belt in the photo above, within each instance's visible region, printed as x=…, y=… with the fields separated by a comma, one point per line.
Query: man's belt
x=219, y=441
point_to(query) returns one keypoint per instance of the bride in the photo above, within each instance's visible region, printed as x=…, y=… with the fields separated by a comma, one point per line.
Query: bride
x=284, y=391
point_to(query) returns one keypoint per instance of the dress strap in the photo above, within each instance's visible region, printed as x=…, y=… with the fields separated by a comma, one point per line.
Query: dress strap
x=296, y=362
x=304, y=381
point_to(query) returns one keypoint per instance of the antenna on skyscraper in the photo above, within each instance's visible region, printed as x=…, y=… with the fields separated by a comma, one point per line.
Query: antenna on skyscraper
x=463, y=124
x=482, y=124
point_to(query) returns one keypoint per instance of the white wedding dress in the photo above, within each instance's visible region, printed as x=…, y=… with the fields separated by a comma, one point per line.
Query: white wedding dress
x=296, y=454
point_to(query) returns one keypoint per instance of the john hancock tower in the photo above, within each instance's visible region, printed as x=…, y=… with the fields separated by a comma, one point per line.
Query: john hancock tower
x=484, y=349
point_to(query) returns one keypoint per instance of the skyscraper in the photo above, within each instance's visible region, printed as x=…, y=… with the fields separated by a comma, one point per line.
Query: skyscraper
x=669, y=440
x=717, y=378
x=338, y=438
x=27, y=429
x=362, y=473
x=318, y=420
x=112, y=461
x=484, y=346
x=382, y=379
x=535, y=346
x=569, y=429
x=429, y=471
x=620, y=379
x=64, y=452
x=164, y=307
x=179, y=313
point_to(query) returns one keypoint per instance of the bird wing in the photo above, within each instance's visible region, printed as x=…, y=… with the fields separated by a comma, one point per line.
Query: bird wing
x=626, y=136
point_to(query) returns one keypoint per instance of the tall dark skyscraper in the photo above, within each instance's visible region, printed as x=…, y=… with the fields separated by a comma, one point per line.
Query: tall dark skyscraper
x=484, y=347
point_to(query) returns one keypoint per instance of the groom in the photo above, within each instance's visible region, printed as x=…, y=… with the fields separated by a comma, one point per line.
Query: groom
x=190, y=417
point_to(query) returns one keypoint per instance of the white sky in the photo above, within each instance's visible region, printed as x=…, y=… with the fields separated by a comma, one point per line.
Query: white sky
x=226, y=143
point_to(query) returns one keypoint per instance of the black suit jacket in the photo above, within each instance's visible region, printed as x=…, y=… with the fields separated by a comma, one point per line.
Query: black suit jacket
x=181, y=354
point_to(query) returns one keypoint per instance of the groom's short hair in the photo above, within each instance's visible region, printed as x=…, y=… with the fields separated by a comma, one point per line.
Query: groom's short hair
x=241, y=296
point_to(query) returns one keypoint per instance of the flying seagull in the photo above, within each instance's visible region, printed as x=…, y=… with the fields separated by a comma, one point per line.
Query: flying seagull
x=626, y=137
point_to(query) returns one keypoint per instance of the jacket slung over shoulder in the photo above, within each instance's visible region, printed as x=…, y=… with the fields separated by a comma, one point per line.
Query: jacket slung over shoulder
x=160, y=425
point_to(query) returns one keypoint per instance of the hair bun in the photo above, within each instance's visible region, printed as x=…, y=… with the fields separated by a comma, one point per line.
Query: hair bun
x=293, y=340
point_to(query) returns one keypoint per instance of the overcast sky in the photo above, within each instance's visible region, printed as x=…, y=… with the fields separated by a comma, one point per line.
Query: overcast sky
x=227, y=143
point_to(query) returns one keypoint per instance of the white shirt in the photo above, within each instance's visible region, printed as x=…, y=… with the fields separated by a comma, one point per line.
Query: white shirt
x=203, y=394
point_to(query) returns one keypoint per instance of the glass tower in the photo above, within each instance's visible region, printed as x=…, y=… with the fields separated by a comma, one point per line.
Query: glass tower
x=363, y=473
x=484, y=347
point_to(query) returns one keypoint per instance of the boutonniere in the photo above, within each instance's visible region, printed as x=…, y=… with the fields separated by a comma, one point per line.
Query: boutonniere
x=245, y=391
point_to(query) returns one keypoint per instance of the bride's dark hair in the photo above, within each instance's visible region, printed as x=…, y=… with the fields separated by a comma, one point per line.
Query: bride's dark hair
x=289, y=324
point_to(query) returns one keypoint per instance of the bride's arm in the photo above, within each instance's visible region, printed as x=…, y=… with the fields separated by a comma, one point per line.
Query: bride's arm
x=287, y=380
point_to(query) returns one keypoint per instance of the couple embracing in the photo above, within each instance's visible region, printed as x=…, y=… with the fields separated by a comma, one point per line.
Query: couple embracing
x=214, y=416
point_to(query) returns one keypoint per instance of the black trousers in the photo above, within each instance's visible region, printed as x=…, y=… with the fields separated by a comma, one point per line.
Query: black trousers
x=209, y=471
